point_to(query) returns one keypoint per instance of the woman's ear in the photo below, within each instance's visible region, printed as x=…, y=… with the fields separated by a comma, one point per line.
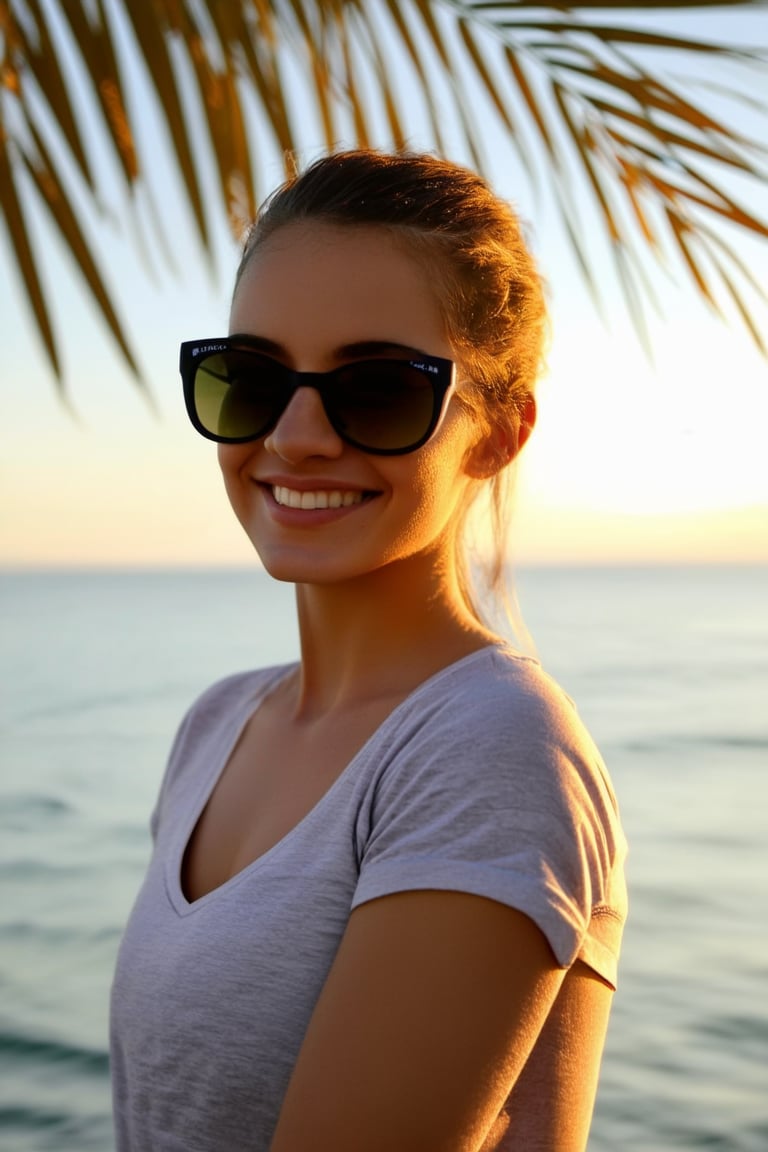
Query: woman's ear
x=500, y=447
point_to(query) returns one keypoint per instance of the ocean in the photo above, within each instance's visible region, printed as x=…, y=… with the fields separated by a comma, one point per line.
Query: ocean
x=669, y=667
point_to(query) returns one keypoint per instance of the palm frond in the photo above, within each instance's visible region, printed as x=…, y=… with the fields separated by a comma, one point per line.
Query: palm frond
x=153, y=37
x=98, y=54
x=42, y=61
x=395, y=11
x=19, y=231
x=585, y=93
x=45, y=179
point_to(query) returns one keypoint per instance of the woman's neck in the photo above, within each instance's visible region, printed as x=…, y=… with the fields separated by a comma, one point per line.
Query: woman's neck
x=380, y=636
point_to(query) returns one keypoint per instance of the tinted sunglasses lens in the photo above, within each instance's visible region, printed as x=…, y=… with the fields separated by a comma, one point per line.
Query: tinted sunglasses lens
x=238, y=395
x=384, y=406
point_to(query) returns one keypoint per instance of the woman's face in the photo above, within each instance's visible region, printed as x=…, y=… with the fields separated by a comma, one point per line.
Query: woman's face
x=325, y=295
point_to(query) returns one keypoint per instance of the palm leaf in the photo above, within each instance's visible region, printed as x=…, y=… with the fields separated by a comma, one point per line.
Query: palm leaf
x=153, y=46
x=53, y=192
x=226, y=127
x=746, y=316
x=45, y=67
x=95, y=44
x=487, y=81
x=682, y=232
x=715, y=244
x=585, y=83
x=633, y=179
x=314, y=44
x=468, y=126
x=362, y=131
x=395, y=10
x=259, y=61
x=376, y=56
x=19, y=232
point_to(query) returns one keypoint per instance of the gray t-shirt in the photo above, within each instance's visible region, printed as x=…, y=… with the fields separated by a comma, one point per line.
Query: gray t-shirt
x=483, y=781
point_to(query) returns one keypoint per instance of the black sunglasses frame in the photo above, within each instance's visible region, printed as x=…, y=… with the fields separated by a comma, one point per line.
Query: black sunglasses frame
x=440, y=372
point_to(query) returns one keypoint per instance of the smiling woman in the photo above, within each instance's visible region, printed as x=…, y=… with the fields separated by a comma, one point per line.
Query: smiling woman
x=386, y=898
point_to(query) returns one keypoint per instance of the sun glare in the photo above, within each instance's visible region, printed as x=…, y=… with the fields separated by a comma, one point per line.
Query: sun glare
x=683, y=435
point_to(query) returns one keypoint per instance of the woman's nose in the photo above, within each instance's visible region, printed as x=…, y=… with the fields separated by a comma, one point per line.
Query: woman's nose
x=304, y=430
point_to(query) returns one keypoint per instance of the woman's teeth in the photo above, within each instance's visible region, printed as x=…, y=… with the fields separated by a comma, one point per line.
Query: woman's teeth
x=309, y=500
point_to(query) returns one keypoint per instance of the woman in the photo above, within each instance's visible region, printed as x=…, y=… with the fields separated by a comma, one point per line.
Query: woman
x=385, y=902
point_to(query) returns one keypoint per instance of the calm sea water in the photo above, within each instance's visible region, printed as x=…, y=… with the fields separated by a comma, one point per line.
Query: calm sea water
x=670, y=670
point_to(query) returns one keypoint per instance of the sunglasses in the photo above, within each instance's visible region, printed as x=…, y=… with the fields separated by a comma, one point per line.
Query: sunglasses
x=235, y=393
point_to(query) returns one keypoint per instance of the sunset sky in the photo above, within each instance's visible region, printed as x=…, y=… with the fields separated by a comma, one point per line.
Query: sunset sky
x=632, y=461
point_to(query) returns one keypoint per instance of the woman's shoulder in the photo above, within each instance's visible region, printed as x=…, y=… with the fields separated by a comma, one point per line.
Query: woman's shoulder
x=495, y=689
x=497, y=718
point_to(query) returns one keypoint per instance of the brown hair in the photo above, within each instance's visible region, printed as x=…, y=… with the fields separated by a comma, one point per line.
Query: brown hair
x=483, y=274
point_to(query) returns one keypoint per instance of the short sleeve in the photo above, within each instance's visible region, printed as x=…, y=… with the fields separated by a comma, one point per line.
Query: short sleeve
x=492, y=786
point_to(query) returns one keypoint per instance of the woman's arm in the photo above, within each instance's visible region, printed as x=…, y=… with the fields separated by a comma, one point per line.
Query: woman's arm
x=429, y=1013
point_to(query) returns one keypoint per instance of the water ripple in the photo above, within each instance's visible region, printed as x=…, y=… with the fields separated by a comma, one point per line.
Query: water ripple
x=42, y=1051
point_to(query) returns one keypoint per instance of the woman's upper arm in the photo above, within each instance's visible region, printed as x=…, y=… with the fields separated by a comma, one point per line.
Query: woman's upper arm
x=429, y=1012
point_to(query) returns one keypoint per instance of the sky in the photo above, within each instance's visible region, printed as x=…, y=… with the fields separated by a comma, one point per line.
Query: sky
x=633, y=460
